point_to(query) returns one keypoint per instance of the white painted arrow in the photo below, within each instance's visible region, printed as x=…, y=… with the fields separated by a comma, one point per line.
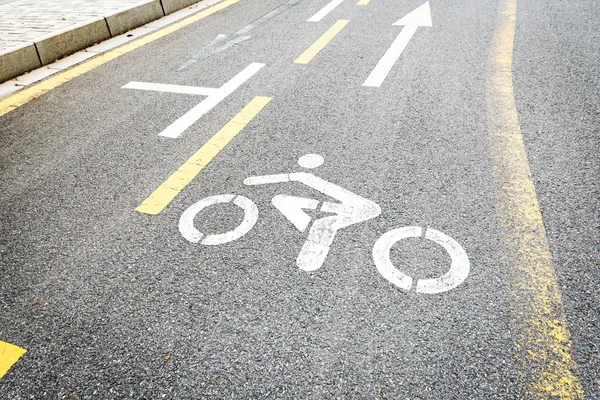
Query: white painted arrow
x=421, y=16
x=223, y=42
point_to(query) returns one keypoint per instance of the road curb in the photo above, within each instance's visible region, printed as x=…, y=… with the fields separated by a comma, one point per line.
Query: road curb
x=48, y=49
x=134, y=17
x=57, y=45
x=170, y=6
x=17, y=61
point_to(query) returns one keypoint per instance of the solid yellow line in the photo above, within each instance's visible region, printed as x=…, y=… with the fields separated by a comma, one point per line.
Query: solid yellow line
x=170, y=188
x=321, y=42
x=363, y=2
x=33, y=92
x=544, y=349
x=9, y=354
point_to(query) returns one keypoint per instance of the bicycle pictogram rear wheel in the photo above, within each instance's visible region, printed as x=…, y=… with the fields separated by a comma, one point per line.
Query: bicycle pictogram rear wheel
x=189, y=231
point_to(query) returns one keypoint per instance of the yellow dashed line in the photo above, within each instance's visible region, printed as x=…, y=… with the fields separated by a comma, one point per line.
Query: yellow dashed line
x=170, y=188
x=321, y=42
x=9, y=354
x=363, y=2
x=33, y=92
x=544, y=350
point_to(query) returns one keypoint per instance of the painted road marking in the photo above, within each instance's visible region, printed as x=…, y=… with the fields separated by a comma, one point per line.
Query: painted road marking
x=26, y=95
x=458, y=272
x=223, y=42
x=544, y=348
x=293, y=207
x=190, y=233
x=421, y=16
x=310, y=161
x=324, y=11
x=9, y=355
x=363, y=2
x=215, y=96
x=350, y=210
x=321, y=42
x=169, y=189
x=160, y=87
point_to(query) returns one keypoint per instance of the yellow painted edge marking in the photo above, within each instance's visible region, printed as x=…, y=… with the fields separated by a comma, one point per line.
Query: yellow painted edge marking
x=321, y=42
x=363, y=2
x=9, y=354
x=544, y=349
x=33, y=92
x=170, y=188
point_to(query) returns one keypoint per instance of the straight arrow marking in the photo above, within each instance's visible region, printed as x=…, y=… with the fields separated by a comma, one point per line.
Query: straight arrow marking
x=384, y=66
x=421, y=16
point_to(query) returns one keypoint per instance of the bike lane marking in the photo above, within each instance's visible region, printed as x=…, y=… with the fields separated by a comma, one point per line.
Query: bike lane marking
x=215, y=96
x=458, y=272
x=9, y=355
x=321, y=42
x=222, y=42
x=421, y=16
x=26, y=95
x=325, y=10
x=190, y=233
x=350, y=209
x=543, y=344
x=162, y=87
x=170, y=188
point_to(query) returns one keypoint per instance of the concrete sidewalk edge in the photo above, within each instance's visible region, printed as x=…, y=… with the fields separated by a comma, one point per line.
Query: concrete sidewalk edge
x=48, y=49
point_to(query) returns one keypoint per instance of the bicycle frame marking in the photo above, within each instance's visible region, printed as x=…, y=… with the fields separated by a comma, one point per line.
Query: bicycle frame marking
x=351, y=209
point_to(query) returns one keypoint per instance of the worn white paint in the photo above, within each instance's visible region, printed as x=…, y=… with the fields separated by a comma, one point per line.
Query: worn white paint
x=161, y=87
x=381, y=255
x=178, y=127
x=350, y=210
x=189, y=231
x=458, y=272
x=421, y=16
x=223, y=42
x=459, y=269
x=292, y=208
x=311, y=161
x=325, y=10
x=214, y=97
x=266, y=179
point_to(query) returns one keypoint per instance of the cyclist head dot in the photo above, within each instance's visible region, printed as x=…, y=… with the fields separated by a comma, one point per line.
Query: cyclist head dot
x=311, y=161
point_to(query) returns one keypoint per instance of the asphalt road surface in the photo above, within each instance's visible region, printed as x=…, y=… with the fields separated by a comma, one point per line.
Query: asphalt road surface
x=290, y=286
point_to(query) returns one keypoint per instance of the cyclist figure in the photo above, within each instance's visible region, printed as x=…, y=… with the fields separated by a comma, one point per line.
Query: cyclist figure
x=350, y=210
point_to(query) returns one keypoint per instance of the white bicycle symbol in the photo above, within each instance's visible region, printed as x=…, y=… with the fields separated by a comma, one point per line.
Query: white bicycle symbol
x=351, y=209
